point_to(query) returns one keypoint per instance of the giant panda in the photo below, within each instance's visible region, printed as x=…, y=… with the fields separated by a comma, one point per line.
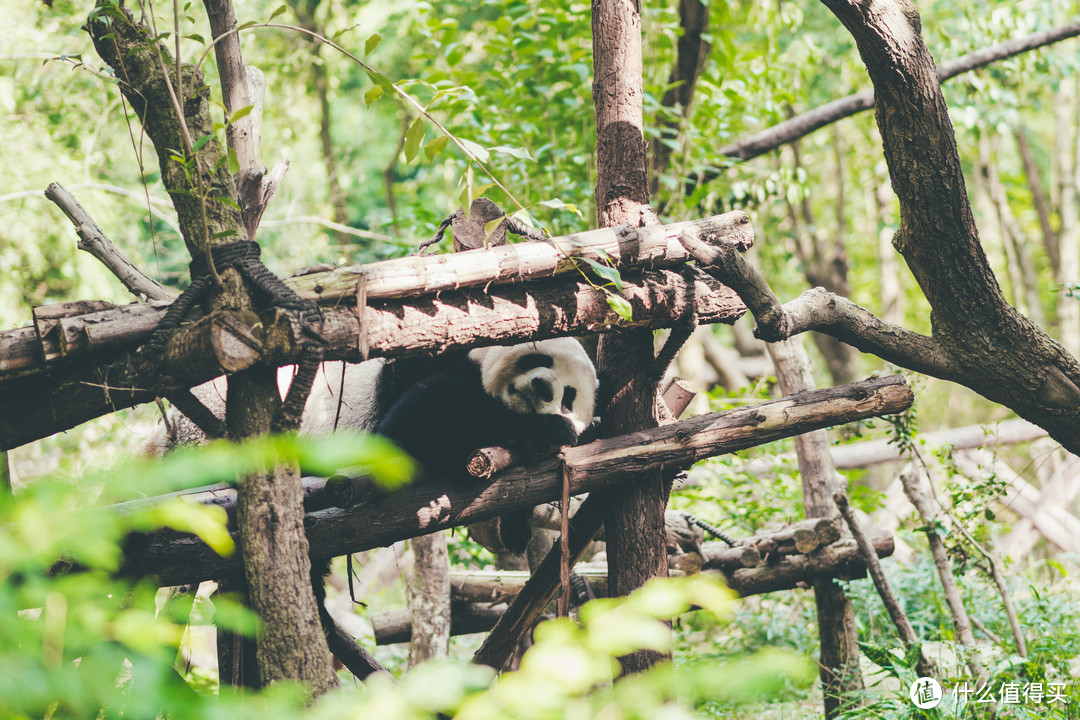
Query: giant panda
x=530, y=398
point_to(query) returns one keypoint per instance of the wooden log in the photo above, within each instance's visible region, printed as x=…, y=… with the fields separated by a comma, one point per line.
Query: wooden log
x=56, y=398
x=841, y=560
x=422, y=509
x=650, y=248
x=488, y=462
x=465, y=618
x=499, y=586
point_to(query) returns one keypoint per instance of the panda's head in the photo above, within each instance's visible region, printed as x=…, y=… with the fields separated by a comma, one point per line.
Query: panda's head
x=547, y=377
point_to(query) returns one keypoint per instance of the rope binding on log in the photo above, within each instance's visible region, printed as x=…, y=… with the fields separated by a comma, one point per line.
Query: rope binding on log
x=245, y=257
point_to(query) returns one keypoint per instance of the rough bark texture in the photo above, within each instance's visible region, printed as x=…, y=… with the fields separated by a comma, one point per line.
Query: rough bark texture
x=381, y=519
x=429, y=598
x=1000, y=354
x=56, y=399
x=291, y=645
x=634, y=519
x=840, y=674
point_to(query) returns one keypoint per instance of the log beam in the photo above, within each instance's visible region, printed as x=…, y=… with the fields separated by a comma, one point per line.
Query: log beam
x=55, y=399
x=420, y=509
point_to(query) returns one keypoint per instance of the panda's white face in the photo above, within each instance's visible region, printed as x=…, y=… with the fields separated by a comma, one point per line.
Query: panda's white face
x=548, y=377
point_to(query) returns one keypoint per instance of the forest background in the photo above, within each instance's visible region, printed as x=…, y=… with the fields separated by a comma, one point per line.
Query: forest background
x=515, y=79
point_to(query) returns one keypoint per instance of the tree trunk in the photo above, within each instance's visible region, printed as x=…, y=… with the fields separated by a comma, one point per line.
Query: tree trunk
x=428, y=594
x=270, y=512
x=634, y=518
x=840, y=674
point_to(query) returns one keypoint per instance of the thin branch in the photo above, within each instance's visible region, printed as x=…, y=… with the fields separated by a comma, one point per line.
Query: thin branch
x=910, y=478
x=873, y=567
x=806, y=123
x=93, y=240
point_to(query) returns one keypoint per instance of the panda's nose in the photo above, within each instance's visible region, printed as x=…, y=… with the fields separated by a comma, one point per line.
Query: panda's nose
x=542, y=390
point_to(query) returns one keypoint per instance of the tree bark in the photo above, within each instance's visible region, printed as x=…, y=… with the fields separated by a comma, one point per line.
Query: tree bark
x=381, y=519
x=291, y=645
x=1012, y=361
x=428, y=595
x=634, y=518
x=56, y=399
x=841, y=678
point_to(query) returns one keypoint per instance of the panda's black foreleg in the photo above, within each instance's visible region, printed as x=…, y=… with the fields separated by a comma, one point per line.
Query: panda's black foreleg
x=515, y=530
x=342, y=645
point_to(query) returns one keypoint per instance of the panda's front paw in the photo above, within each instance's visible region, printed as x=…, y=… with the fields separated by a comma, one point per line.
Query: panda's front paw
x=515, y=531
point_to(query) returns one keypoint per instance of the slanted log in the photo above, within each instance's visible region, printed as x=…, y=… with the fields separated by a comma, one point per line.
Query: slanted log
x=177, y=559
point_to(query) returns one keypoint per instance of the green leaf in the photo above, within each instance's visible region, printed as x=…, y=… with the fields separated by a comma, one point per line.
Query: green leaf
x=519, y=153
x=280, y=11
x=466, y=197
x=380, y=80
x=491, y=226
x=371, y=43
x=234, y=164
x=413, y=137
x=620, y=305
x=242, y=112
x=196, y=37
x=373, y=94
x=223, y=234
x=557, y=204
x=605, y=272
x=436, y=146
x=477, y=150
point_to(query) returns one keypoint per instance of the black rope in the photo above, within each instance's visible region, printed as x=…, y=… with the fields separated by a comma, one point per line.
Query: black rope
x=245, y=257
x=711, y=529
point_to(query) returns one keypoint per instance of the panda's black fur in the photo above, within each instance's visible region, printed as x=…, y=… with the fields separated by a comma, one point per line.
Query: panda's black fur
x=530, y=398
x=443, y=418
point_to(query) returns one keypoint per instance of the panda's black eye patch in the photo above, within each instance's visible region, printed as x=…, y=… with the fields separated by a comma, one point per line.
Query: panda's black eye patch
x=525, y=363
x=568, y=397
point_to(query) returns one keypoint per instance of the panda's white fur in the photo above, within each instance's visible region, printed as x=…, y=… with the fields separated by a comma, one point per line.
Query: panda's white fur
x=526, y=391
x=323, y=413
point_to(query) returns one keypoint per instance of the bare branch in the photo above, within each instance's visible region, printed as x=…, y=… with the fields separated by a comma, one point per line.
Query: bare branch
x=93, y=240
x=806, y=123
x=820, y=310
x=888, y=597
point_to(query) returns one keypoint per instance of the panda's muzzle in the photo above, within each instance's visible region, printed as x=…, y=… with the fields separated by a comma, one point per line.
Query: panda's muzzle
x=542, y=390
